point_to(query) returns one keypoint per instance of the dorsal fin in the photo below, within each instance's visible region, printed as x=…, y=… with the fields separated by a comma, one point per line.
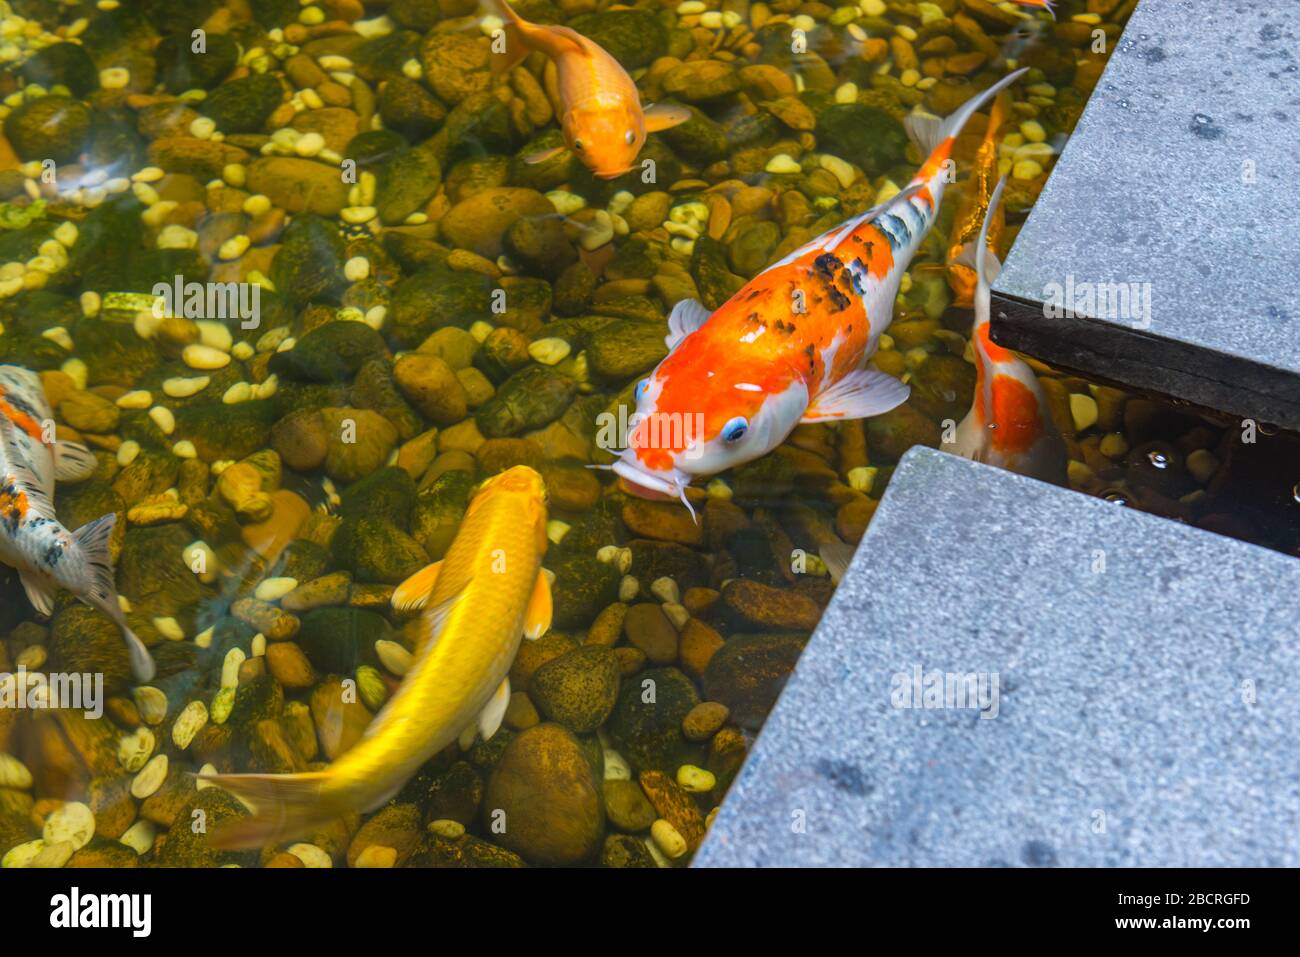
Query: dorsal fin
x=687, y=316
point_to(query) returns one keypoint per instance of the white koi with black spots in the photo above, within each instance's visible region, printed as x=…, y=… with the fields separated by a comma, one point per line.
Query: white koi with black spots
x=32, y=539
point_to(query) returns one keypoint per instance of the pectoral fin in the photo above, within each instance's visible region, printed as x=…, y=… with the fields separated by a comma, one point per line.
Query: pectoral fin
x=859, y=394
x=495, y=711
x=687, y=316
x=664, y=116
x=532, y=159
x=73, y=462
x=413, y=593
x=39, y=593
x=537, y=618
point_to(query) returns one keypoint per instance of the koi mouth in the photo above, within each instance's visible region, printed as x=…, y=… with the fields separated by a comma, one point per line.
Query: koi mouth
x=614, y=174
x=660, y=488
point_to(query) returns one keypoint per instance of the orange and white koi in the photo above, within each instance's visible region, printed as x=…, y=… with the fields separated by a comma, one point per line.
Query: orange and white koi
x=32, y=540
x=1047, y=5
x=1009, y=424
x=972, y=209
x=600, y=108
x=793, y=344
x=487, y=593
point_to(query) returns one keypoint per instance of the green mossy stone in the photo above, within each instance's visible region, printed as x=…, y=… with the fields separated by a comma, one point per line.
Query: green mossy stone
x=531, y=398
x=583, y=586
x=406, y=181
x=243, y=105
x=62, y=63
x=388, y=494
x=221, y=432
x=437, y=297
x=633, y=37
x=187, y=847
x=337, y=640
x=375, y=550
x=863, y=135
x=181, y=69
x=333, y=352
x=577, y=689
x=309, y=264
x=646, y=725
x=49, y=127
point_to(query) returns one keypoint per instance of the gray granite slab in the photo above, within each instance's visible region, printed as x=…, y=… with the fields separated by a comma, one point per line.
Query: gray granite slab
x=1182, y=174
x=1148, y=675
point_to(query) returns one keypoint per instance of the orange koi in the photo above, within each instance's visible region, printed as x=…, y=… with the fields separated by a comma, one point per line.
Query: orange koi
x=793, y=344
x=1009, y=424
x=600, y=109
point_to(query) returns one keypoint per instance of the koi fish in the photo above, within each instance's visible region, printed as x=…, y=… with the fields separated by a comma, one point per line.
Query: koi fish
x=1009, y=423
x=972, y=210
x=792, y=345
x=1048, y=5
x=600, y=109
x=32, y=540
x=487, y=592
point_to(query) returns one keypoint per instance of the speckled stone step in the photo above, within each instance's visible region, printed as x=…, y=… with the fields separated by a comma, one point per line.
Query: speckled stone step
x=1146, y=677
x=1180, y=178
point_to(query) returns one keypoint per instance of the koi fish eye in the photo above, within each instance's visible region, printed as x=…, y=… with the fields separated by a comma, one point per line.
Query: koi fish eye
x=577, y=145
x=629, y=137
x=734, y=430
x=641, y=388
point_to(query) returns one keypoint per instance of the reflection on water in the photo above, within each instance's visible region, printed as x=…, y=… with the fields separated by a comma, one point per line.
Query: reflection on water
x=285, y=269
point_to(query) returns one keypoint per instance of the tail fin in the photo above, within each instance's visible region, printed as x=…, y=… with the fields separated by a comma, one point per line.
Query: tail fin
x=977, y=254
x=515, y=49
x=101, y=589
x=286, y=806
x=836, y=556
x=930, y=132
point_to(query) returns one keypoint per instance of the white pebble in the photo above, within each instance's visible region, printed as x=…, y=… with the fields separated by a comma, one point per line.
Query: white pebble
x=184, y=449
x=356, y=269
x=163, y=418
x=182, y=388
x=198, y=356
x=273, y=589
x=782, y=163
x=77, y=371
x=114, y=78
x=234, y=247
x=311, y=856
x=169, y=628
x=189, y=723
x=239, y=392
x=150, y=778
x=140, y=836
x=393, y=656
x=74, y=822
x=151, y=703
x=549, y=351
x=628, y=588
x=127, y=451
x=665, y=589
x=13, y=773
x=134, y=749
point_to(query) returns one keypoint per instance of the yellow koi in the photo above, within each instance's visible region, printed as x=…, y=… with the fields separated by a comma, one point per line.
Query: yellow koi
x=486, y=593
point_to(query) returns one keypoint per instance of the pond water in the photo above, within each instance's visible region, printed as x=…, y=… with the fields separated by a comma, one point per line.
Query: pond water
x=286, y=271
